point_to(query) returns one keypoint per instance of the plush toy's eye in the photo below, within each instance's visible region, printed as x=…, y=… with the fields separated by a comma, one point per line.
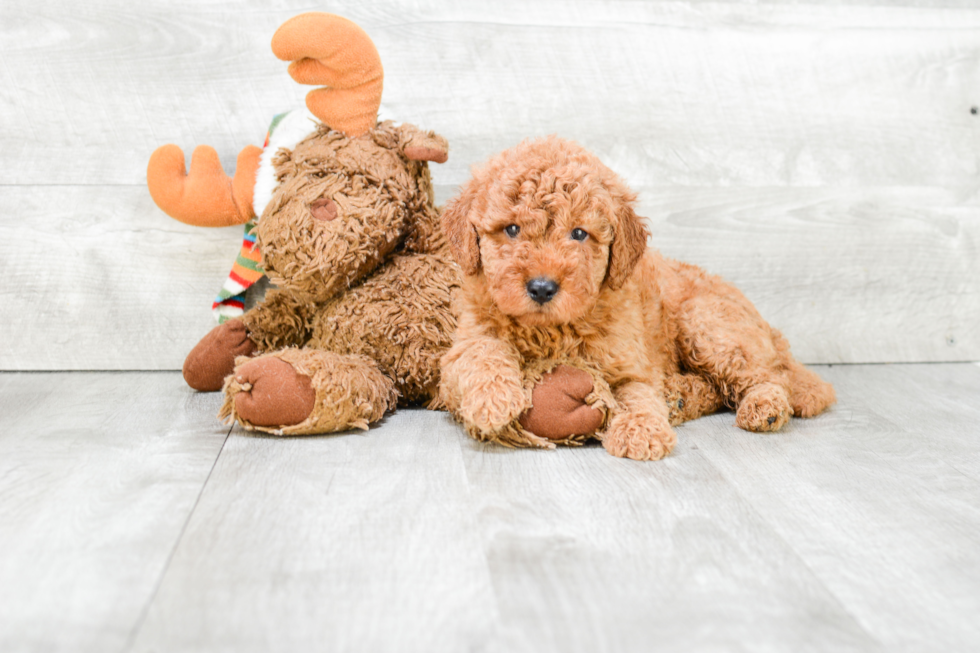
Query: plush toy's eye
x=512, y=230
x=579, y=234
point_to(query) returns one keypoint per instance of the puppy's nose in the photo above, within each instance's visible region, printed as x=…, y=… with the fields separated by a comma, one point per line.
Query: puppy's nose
x=541, y=289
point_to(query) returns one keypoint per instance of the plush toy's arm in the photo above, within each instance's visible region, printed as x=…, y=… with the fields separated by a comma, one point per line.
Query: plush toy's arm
x=206, y=197
x=280, y=320
x=568, y=402
x=543, y=403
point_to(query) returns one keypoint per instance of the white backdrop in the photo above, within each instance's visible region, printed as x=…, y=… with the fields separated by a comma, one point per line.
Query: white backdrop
x=822, y=156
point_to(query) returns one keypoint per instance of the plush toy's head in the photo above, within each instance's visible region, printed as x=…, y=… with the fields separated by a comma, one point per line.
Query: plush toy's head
x=343, y=197
x=343, y=204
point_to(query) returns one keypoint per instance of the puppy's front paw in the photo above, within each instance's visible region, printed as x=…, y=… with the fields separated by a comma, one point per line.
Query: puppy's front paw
x=639, y=436
x=492, y=406
x=764, y=407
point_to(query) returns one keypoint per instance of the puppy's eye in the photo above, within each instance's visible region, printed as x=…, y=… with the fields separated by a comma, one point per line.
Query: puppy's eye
x=512, y=230
x=579, y=234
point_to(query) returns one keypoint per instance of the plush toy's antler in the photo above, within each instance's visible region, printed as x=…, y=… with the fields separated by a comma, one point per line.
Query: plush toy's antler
x=325, y=49
x=207, y=197
x=332, y=51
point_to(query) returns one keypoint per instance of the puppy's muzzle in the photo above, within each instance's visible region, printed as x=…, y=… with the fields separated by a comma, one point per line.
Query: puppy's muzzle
x=542, y=289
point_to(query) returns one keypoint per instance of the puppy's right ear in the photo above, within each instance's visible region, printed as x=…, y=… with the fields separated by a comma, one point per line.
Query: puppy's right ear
x=462, y=236
x=629, y=244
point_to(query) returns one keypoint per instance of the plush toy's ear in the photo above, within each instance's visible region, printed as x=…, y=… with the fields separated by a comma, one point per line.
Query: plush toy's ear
x=334, y=52
x=629, y=243
x=418, y=145
x=461, y=234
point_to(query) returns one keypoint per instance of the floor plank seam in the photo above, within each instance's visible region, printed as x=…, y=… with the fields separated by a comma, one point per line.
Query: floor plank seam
x=796, y=554
x=463, y=439
x=131, y=640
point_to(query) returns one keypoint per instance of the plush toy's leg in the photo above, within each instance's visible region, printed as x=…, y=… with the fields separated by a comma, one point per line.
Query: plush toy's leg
x=307, y=391
x=278, y=321
x=559, y=409
x=213, y=358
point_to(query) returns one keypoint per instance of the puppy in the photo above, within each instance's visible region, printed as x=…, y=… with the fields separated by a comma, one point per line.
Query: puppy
x=556, y=266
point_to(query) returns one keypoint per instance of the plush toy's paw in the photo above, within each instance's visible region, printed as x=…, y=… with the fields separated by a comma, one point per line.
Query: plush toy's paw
x=213, y=358
x=558, y=408
x=493, y=405
x=273, y=393
x=640, y=436
x=764, y=407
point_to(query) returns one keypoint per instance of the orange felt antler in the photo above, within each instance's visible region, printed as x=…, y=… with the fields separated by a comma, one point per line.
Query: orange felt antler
x=206, y=197
x=332, y=51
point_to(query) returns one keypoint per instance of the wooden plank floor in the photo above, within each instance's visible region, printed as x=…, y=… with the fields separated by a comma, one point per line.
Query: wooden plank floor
x=130, y=520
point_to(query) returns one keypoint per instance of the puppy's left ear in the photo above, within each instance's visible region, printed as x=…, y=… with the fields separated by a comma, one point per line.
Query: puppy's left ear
x=629, y=243
x=463, y=239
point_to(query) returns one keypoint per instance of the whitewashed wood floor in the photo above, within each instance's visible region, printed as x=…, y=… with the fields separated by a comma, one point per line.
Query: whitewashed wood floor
x=130, y=520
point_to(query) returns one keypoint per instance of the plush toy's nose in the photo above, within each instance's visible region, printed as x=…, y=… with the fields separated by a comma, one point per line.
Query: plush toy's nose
x=542, y=289
x=324, y=209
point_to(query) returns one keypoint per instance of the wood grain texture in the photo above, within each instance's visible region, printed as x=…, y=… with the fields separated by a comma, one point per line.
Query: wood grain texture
x=848, y=275
x=881, y=497
x=98, y=475
x=414, y=538
x=101, y=280
x=353, y=542
x=854, y=531
x=588, y=552
x=687, y=93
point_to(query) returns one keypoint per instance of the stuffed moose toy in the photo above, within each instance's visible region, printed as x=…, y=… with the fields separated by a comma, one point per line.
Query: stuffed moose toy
x=341, y=208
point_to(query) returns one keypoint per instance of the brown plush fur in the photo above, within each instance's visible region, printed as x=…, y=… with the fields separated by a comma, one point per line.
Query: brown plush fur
x=349, y=392
x=382, y=199
x=363, y=304
x=652, y=327
x=350, y=236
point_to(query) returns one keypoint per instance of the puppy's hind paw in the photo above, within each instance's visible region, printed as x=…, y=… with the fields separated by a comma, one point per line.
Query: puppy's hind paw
x=639, y=437
x=764, y=407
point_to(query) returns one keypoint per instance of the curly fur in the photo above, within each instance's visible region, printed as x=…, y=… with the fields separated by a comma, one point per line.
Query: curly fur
x=653, y=327
x=513, y=434
x=363, y=304
x=380, y=197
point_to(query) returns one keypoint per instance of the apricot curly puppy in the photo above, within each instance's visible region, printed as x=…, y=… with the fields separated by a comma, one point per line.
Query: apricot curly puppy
x=556, y=265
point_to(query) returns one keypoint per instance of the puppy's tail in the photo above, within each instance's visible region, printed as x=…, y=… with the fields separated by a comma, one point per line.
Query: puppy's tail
x=809, y=394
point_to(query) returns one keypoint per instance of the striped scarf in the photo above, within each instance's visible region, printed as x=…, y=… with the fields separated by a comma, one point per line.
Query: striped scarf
x=247, y=269
x=287, y=129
